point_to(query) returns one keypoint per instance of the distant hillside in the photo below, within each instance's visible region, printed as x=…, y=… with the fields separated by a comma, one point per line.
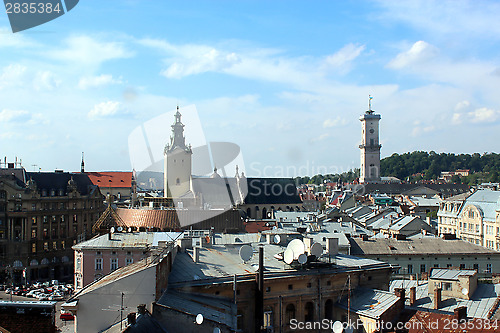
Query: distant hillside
x=486, y=167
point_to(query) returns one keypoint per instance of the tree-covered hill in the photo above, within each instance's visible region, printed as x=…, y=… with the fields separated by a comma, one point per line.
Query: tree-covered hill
x=430, y=165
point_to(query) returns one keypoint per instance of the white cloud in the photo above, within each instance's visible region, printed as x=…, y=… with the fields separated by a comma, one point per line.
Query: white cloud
x=9, y=39
x=97, y=81
x=419, y=53
x=105, y=109
x=320, y=138
x=12, y=75
x=344, y=56
x=85, y=50
x=7, y=115
x=484, y=115
x=462, y=105
x=46, y=80
x=334, y=122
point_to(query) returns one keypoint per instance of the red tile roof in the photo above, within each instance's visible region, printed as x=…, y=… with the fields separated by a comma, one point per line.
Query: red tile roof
x=111, y=179
x=423, y=322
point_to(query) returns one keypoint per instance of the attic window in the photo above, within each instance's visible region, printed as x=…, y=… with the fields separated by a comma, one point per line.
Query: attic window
x=393, y=248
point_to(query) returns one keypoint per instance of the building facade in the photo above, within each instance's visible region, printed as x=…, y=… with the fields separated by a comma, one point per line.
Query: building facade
x=42, y=214
x=370, y=147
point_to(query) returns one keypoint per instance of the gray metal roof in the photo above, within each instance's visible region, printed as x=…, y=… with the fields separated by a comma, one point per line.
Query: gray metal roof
x=128, y=240
x=450, y=274
x=423, y=246
x=478, y=306
x=216, y=309
x=370, y=303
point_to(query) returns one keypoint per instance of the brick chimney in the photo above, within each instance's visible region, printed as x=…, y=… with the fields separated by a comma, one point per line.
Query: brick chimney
x=437, y=298
x=131, y=318
x=413, y=295
x=460, y=314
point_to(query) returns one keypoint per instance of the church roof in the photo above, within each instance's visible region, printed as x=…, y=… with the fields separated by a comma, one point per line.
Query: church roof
x=59, y=180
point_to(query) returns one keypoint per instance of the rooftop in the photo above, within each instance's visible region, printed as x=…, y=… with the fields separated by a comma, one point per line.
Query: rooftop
x=128, y=240
x=450, y=274
x=112, y=179
x=478, y=306
x=370, y=303
x=423, y=246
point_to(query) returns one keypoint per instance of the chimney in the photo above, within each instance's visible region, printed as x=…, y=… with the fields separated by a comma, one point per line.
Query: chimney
x=460, y=314
x=196, y=254
x=131, y=318
x=400, y=292
x=413, y=295
x=308, y=242
x=109, y=235
x=437, y=298
x=141, y=309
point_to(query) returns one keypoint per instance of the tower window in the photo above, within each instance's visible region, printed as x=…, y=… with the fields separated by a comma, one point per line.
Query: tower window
x=177, y=181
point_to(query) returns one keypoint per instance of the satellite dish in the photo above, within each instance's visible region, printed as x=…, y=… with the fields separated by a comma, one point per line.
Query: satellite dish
x=297, y=247
x=317, y=250
x=112, y=230
x=277, y=239
x=199, y=319
x=120, y=229
x=216, y=330
x=338, y=327
x=129, y=229
x=465, y=291
x=246, y=252
x=302, y=259
x=288, y=256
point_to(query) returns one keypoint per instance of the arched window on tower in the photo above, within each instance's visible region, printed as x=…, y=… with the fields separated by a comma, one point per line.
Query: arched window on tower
x=177, y=181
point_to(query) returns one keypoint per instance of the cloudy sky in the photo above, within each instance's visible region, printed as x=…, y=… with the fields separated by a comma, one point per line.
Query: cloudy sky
x=285, y=80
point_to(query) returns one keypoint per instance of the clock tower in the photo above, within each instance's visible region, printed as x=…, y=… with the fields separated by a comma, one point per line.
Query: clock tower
x=370, y=146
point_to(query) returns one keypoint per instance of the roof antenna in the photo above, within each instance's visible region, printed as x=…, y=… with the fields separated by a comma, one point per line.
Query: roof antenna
x=82, y=170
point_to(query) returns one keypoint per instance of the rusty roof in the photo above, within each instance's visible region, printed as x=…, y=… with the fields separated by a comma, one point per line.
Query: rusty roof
x=423, y=322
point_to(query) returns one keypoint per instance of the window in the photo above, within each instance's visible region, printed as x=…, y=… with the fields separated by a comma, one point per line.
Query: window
x=33, y=206
x=290, y=287
x=309, y=312
x=78, y=263
x=476, y=267
x=33, y=233
x=46, y=246
x=488, y=268
x=448, y=265
x=54, y=245
x=129, y=261
x=462, y=266
x=410, y=269
x=98, y=264
x=422, y=268
x=268, y=319
x=33, y=248
x=289, y=313
x=114, y=264
x=446, y=286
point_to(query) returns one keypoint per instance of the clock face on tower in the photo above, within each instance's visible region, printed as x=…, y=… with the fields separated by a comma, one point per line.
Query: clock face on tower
x=372, y=130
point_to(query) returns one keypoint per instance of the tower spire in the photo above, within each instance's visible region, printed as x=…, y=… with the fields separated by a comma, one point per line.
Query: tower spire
x=370, y=111
x=82, y=169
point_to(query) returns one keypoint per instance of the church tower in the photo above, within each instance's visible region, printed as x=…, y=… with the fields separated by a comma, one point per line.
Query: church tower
x=370, y=146
x=177, y=162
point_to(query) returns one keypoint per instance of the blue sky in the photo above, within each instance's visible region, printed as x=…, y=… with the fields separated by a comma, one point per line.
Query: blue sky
x=285, y=80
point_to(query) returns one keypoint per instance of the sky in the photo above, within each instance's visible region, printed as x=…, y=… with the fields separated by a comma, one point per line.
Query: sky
x=284, y=80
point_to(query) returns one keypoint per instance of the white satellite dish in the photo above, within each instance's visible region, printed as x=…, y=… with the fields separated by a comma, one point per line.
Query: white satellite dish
x=216, y=330
x=277, y=239
x=338, y=327
x=199, y=319
x=246, y=252
x=288, y=256
x=317, y=250
x=298, y=248
x=465, y=291
x=112, y=230
x=129, y=229
x=120, y=229
x=302, y=259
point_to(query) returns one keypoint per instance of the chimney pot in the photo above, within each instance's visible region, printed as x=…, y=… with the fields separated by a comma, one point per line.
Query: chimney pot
x=141, y=309
x=413, y=295
x=460, y=314
x=131, y=318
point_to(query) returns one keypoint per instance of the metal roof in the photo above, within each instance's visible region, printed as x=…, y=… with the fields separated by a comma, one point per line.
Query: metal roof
x=370, y=303
x=128, y=240
x=423, y=246
x=450, y=274
x=487, y=201
x=478, y=306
